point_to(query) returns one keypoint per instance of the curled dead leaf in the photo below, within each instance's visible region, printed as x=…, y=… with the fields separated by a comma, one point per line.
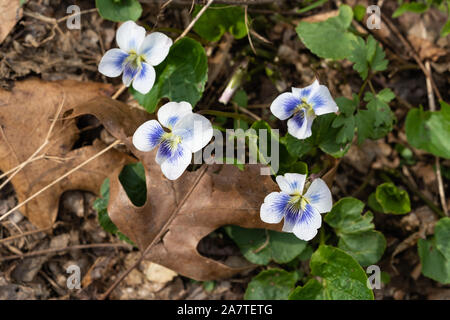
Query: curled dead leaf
x=10, y=13
x=26, y=115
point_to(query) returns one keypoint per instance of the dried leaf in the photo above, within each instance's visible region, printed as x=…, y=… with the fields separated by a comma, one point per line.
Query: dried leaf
x=223, y=196
x=10, y=13
x=25, y=118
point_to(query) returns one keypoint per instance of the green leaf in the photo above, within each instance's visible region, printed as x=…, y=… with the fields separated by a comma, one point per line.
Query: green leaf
x=391, y=199
x=442, y=236
x=445, y=31
x=299, y=167
x=359, y=57
x=314, y=5
x=241, y=98
x=366, y=247
x=346, y=120
x=119, y=10
x=329, y=38
x=297, y=148
x=435, y=253
x=101, y=206
x=355, y=231
x=209, y=285
x=378, y=61
x=180, y=77
x=272, y=284
x=415, y=7
x=347, y=106
x=312, y=290
x=359, y=11
x=367, y=56
x=345, y=217
x=378, y=120
x=261, y=246
x=342, y=278
x=379, y=107
x=373, y=203
x=347, y=131
x=364, y=122
x=132, y=178
x=430, y=131
x=323, y=136
x=218, y=19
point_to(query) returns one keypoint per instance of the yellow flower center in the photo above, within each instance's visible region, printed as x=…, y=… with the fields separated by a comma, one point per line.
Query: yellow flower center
x=135, y=59
x=298, y=201
x=307, y=107
x=173, y=139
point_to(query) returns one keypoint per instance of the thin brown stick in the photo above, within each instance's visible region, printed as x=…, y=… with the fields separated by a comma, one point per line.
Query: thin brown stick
x=76, y=14
x=158, y=236
x=432, y=105
x=54, y=250
x=251, y=114
x=247, y=28
x=55, y=21
x=161, y=12
x=264, y=245
x=59, y=179
x=27, y=233
x=189, y=27
x=6, y=173
x=119, y=92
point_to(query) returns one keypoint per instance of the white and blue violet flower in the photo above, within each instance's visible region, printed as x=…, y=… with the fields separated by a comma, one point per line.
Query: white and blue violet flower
x=301, y=211
x=302, y=105
x=136, y=56
x=189, y=133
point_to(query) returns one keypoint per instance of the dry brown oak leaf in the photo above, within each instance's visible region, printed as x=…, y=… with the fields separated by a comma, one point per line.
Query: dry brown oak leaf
x=26, y=114
x=10, y=13
x=224, y=195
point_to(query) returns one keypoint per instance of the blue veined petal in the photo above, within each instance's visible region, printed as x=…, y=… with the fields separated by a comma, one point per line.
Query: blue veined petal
x=166, y=150
x=174, y=166
x=291, y=217
x=145, y=78
x=274, y=207
x=304, y=93
x=306, y=226
x=129, y=72
x=148, y=135
x=113, y=63
x=130, y=36
x=284, y=105
x=172, y=121
x=299, y=125
x=291, y=183
x=319, y=196
x=322, y=101
x=170, y=113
